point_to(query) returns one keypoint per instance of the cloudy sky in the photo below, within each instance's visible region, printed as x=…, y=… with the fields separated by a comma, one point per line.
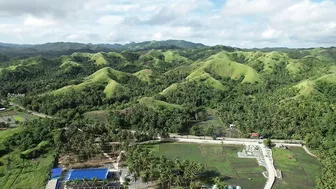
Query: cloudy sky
x=240, y=23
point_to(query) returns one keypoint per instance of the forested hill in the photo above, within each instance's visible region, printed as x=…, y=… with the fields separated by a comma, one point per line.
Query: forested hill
x=279, y=94
x=62, y=48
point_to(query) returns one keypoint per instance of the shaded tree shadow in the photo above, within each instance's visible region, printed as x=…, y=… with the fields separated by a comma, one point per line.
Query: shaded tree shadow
x=207, y=176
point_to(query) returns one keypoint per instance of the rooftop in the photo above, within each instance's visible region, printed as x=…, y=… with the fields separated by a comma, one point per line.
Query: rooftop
x=80, y=174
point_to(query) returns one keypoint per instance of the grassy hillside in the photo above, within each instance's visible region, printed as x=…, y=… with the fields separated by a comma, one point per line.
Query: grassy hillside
x=221, y=65
x=307, y=87
x=105, y=76
x=144, y=75
x=171, y=56
x=158, y=104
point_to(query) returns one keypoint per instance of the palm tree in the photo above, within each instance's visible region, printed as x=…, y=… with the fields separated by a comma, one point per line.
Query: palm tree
x=219, y=184
x=76, y=182
x=94, y=181
x=85, y=181
x=104, y=182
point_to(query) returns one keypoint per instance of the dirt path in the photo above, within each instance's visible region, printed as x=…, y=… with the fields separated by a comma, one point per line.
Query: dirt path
x=308, y=152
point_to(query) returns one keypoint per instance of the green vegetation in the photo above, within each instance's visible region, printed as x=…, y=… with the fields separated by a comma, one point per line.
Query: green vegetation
x=26, y=159
x=103, y=76
x=221, y=65
x=98, y=115
x=144, y=75
x=218, y=161
x=299, y=169
x=167, y=172
x=158, y=104
x=4, y=134
x=159, y=87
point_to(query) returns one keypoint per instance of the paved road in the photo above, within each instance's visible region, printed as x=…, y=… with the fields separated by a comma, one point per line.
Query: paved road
x=174, y=135
x=308, y=152
x=268, y=159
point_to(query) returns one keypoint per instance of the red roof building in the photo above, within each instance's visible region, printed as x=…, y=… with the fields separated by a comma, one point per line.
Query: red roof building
x=255, y=135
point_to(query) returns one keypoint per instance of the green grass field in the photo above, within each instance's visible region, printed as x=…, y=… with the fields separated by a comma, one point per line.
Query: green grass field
x=98, y=115
x=218, y=160
x=299, y=169
x=18, y=174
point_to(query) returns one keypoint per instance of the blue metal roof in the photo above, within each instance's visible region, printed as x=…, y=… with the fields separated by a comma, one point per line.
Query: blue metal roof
x=56, y=172
x=80, y=174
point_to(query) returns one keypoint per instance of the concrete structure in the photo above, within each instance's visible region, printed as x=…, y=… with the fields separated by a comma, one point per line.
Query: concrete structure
x=52, y=184
x=2, y=109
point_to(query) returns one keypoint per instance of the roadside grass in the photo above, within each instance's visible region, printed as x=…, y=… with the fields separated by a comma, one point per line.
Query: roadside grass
x=218, y=160
x=299, y=169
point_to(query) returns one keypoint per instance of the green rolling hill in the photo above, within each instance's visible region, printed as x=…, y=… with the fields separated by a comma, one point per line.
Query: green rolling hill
x=150, y=102
x=105, y=76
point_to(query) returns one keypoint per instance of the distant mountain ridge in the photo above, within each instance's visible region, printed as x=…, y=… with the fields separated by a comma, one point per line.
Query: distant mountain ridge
x=61, y=48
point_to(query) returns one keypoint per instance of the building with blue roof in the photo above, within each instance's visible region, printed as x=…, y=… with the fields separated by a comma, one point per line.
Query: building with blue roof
x=56, y=173
x=89, y=174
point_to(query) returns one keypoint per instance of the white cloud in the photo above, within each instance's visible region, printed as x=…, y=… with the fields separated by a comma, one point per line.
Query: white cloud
x=157, y=36
x=271, y=33
x=110, y=20
x=248, y=23
x=253, y=7
x=38, y=22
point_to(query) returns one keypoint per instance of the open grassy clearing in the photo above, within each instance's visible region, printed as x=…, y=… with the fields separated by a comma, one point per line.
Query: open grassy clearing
x=214, y=121
x=98, y=115
x=218, y=160
x=8, y=132
x=157, y=104
x=299, y=169
x=144, y=75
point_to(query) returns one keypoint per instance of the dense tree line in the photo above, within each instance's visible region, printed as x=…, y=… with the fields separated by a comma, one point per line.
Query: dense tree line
x=143, y=165
x=166, y=120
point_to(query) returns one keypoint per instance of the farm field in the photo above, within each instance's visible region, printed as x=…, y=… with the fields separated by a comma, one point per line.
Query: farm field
x=299, y=169
x=217, y=160
x=11, y=116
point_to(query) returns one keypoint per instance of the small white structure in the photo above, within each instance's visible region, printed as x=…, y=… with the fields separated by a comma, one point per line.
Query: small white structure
x=238, y=187
x=2, y=109
x=232, y=126
x=52, y=184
